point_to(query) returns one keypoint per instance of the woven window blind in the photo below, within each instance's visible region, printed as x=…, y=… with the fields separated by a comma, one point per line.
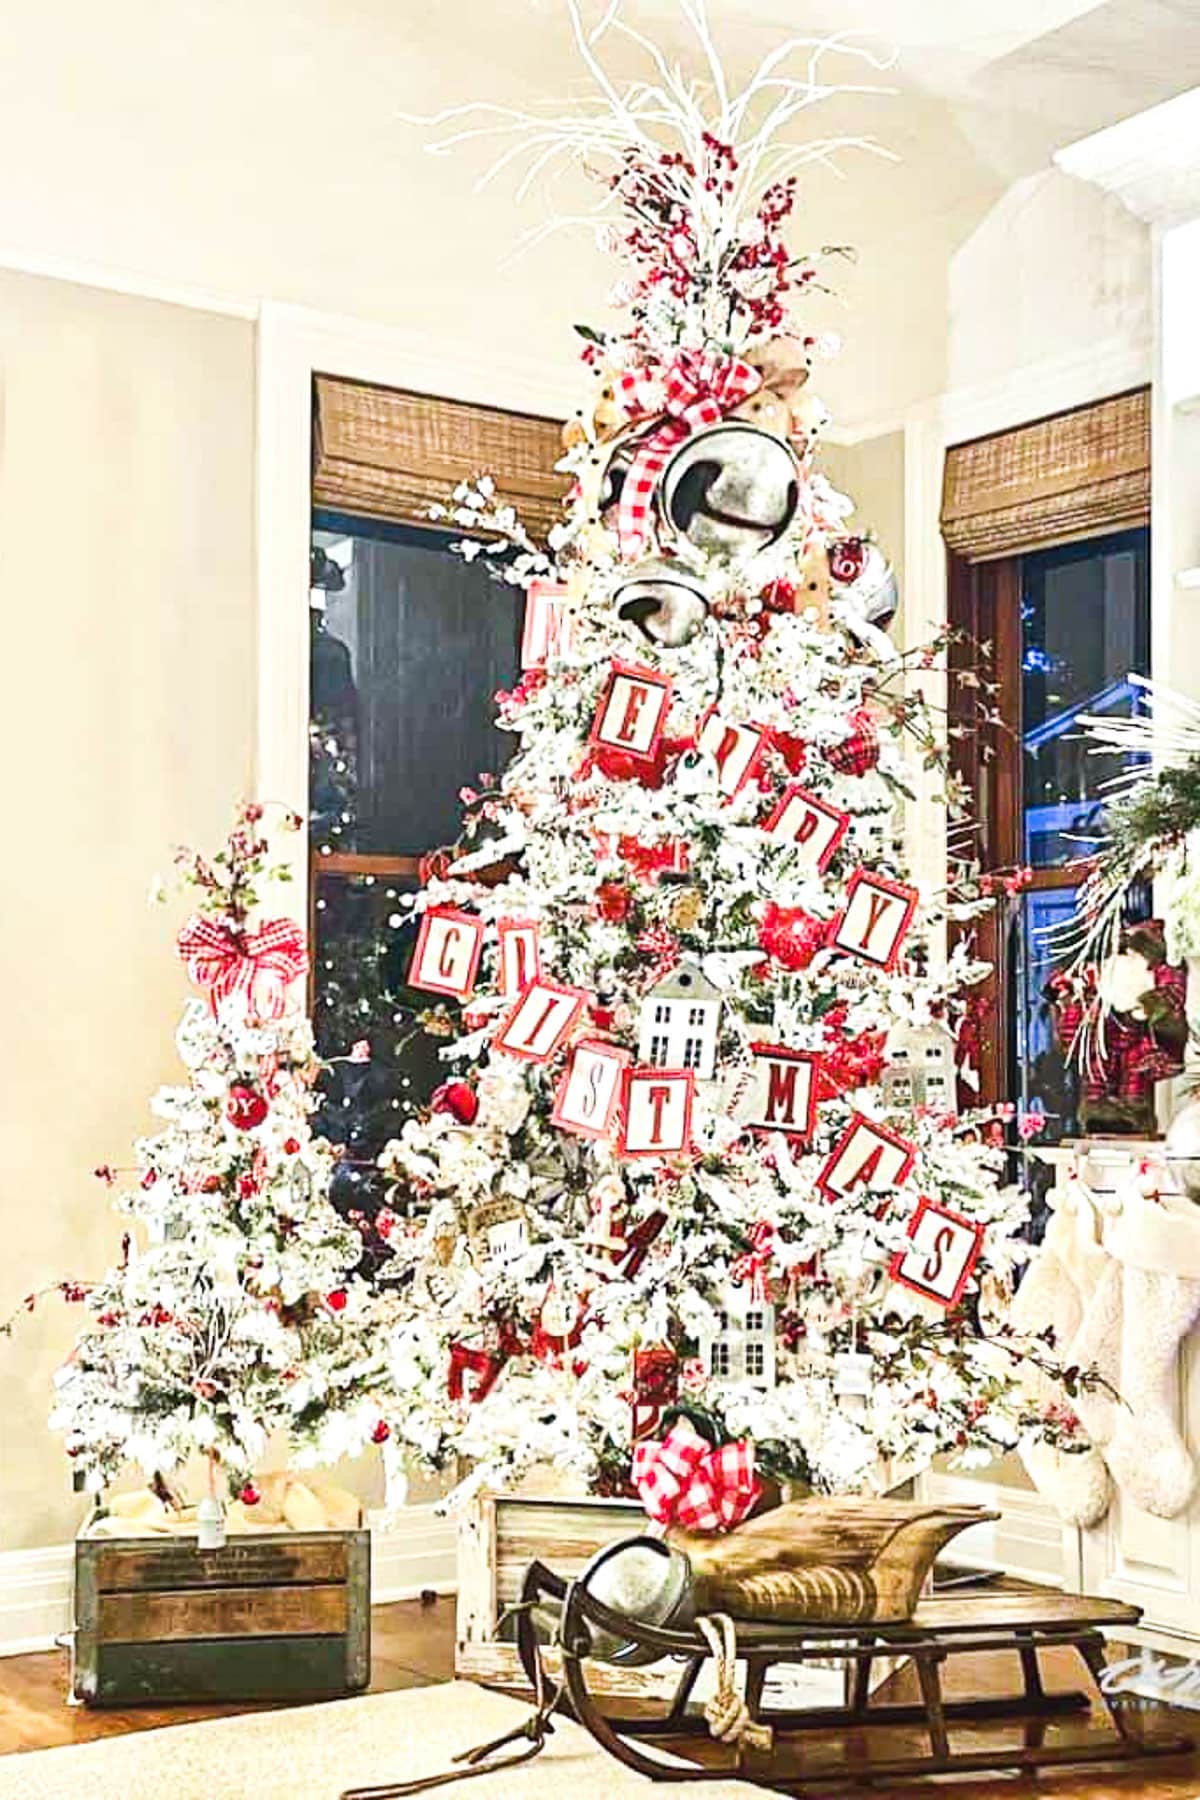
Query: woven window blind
x=385, y=453
x=1075, y=475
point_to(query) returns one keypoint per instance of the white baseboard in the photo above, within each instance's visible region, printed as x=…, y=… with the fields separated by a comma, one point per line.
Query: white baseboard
x=1025, y=1542
x=413, y=1553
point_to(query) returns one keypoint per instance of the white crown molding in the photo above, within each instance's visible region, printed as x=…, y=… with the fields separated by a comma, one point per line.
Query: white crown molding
x=412, y=1553
x=1151, y=161
x=1055, y=384
x=134, y=282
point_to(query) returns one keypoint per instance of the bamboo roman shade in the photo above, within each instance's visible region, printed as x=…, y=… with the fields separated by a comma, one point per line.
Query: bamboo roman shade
x=385, y=453
x=1075, y=475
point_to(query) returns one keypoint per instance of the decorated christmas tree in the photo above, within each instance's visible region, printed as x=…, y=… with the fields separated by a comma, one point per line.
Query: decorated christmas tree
x=235, y=1309
x=699, y=1146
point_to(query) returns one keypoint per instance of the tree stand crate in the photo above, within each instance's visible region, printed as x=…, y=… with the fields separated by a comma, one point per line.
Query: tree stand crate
x=277, y=1616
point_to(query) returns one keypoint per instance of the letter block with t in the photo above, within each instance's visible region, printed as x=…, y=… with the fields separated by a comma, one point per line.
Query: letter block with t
x=875, y=919
x=866, y=1156
x=814, y=828
x=657, y=1112
x=589, y=1093
x=540, y=1021
x=446, y=958
x=633, y=710
x=944, y=1249
x=783, y=1091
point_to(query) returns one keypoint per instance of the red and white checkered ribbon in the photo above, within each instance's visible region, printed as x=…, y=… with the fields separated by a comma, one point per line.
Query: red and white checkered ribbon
x=697, y=390
x=683, y=1481
x=754, y=1264
x=259, y=965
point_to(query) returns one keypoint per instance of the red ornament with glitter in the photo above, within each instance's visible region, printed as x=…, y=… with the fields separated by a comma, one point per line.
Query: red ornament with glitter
x=245, y=1108
x=458, y=1098
x=790, y=936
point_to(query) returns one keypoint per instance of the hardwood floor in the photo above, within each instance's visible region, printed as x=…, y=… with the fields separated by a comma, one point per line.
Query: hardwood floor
x=413, y=1646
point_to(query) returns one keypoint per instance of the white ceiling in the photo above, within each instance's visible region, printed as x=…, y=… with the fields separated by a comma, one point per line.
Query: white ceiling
x=257, y=149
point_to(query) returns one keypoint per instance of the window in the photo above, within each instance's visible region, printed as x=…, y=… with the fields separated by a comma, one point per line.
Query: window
x=721, y=1358
x=693, y=1051
x=756, y=1359
x=695, y=1015
x=1067, y=627
x=662, y=1013
x=660, y=1049
x=755, y=1321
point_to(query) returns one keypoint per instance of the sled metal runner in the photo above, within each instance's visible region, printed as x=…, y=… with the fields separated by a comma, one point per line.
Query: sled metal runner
x=1025, y=1623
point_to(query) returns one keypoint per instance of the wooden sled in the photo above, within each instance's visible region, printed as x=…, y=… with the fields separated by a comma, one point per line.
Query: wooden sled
x=1025, y=1623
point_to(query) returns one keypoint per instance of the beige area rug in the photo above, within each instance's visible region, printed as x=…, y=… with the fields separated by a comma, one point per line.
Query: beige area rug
x=313, y=1752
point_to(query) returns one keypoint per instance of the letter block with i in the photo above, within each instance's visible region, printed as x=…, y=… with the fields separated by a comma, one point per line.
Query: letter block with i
x=540, y=1021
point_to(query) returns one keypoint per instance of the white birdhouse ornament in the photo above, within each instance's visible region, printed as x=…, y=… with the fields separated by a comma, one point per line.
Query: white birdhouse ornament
x=920, y=1068
x=741, y=1346
x=680, y=1018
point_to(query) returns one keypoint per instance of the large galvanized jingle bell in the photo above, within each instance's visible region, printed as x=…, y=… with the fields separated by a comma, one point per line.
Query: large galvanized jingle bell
x=647, y=1582
x=731, y=490
x=666, y=603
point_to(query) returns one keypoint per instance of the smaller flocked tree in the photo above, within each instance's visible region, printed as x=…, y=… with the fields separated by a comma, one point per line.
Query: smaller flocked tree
x=235, y=1308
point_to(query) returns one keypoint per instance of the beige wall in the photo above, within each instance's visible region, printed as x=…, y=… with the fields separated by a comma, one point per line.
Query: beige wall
x=126, y=538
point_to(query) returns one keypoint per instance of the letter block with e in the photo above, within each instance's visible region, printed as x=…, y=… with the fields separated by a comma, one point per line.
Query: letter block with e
x=633, y=710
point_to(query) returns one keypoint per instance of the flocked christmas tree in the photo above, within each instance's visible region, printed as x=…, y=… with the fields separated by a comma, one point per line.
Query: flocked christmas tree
x=235, y=1309
x=700, y=1147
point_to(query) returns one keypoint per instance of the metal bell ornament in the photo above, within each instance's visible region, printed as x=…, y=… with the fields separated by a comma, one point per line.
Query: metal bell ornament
x=864, y=577
x=1183, y=1149
x=646, y=1581
x=730, y=490
x=667, y=604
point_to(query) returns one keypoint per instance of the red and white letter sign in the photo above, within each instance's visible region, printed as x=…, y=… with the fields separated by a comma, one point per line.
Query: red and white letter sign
x=540, y=1021
x=632, y=711
x=588, y=1094
x=547, y=634
x=813, y=827
x=943, y=1251
x=520, y=955
x=658, y=1112
x=866, y=1156
x=734, y=748
x=784, y=1092
x=877, y=915
x=447, y=953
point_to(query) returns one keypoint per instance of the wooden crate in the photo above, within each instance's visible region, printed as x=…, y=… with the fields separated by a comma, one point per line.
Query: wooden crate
x=282, y=1616
x=499, y=1536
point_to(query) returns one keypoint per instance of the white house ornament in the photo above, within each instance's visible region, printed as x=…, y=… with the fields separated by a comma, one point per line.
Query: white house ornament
x=920, y=1068
x=868, y=1156
x=632, y=711
x=679, y=1022
x=519, y=955
x=732, y=490
x=657, y=1112
x=735, y=747
x=875, y=919
x=740, y=1344
x=813, y=826
x=589, y=1092
x=943, y=1250
x=663, y=601
x=548, y=632
x=446, y=958
x=540, y=1021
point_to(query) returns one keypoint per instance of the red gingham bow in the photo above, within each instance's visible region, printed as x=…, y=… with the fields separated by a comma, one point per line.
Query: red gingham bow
x=699, y=388
x=260, y=965
x=753, y=1265
x=683, y=1481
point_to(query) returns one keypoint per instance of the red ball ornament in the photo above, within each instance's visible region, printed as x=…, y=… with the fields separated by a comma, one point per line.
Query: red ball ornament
x=245, y=1108
x=336, y=1302
x=847, y=559
x=292, y=1146
x=612, y=901
x=249, y=1495
x=459, y=1099
x=779, y=597
x=381, y=1433
x=859, y=753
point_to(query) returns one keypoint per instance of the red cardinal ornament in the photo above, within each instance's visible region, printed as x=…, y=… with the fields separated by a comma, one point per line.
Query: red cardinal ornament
x=459, y=1099
x=859, y=753
x=245, y=1108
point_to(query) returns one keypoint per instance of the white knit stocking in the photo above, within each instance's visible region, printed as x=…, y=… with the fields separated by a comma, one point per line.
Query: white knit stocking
x=1148, y=1458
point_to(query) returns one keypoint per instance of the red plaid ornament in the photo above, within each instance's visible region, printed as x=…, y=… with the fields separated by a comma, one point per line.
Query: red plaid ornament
x=859, y=753
x=681, y=1480
x=259, y=965
x=754, y=1264
x=698, y=389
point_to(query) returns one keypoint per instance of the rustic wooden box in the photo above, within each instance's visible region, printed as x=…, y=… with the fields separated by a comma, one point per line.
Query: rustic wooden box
x=284, y=1616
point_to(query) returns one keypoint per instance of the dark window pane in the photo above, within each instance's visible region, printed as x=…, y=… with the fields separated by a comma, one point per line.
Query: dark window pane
x=409, y=645
x=1085, y=627
x=1043, y=1080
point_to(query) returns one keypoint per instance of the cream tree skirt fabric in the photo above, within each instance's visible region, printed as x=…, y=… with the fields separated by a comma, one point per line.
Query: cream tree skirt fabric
x=313, y=1752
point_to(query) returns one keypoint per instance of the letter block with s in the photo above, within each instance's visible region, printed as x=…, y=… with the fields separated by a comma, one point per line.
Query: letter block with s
x=941, y=1254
